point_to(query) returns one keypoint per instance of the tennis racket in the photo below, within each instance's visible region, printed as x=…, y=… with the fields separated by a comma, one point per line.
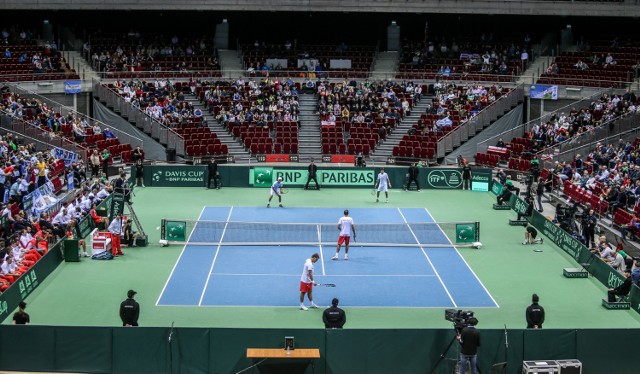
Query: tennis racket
x=373, y=192
x=284, y=190
x=325, y=285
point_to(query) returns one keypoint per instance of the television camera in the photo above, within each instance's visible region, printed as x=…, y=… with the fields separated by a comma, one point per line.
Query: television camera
x=459, y=318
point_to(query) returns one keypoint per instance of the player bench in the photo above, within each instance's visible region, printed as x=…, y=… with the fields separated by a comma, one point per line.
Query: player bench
x=623, y=304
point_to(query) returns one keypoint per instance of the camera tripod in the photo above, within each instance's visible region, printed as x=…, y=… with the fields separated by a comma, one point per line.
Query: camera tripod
x=443, y=356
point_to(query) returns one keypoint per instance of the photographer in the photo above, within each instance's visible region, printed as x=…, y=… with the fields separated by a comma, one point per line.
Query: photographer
x=588, y=223
x=469, y=339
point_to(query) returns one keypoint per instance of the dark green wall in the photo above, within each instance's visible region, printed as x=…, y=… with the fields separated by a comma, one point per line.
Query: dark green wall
x=201, y=350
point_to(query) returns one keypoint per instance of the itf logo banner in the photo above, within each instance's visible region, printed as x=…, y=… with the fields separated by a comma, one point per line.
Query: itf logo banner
x=72, y=87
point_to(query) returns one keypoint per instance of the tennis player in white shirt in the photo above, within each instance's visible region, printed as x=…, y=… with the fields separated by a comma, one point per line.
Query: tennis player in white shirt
x=346, y=227
x=307, y=282
x=382, y=184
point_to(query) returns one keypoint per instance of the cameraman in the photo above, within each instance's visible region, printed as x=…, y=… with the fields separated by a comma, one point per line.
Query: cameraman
x=589, y=222
x=469, y=339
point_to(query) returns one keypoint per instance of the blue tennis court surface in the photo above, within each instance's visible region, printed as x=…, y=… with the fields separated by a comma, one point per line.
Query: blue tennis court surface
x=215, y=274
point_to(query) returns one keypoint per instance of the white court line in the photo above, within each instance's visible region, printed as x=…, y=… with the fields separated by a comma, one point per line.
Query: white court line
x=337, y=275
x=463, y=260
x=428, y=259
x=179, y=257
x=319, y=227
x=204, y=290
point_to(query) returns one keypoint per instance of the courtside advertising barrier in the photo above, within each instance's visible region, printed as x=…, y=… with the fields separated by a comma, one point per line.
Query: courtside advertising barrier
x=607, y=275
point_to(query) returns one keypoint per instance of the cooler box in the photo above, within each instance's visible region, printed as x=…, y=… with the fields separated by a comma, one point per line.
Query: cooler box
x=70, y=249
x=100, y=242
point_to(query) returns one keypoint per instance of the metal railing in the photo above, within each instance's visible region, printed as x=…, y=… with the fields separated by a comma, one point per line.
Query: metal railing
x=43, y=139
x=478, y=122
x=520, y=131
x=140, y=119
x=622, y=128
x=123, y=136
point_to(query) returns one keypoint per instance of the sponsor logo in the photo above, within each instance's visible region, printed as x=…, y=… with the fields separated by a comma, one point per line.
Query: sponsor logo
x=176, y=231
x=621, y=305
x=4, y=309
x=613, y=280
x=576, y=273
x=28, y=283
x=262, y=177
x=520, y=206
x=465, y=233
x=449, y=179
x=480, y=177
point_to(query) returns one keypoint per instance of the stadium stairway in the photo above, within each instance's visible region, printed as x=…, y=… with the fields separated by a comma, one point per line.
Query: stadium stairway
x=230, y=63
x=309, y=145
x=385, y=65
x=236, y=149
x=385, y=147
x=535, y=69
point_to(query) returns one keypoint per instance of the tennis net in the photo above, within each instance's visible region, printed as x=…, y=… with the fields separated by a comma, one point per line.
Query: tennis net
x=425, y=234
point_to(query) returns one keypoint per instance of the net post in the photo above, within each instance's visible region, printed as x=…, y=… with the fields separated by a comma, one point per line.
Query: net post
x=163, y=228
x=477, y=231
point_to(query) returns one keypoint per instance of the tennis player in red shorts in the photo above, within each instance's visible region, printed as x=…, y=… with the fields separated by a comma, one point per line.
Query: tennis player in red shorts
x=307, y=282
x=346, y=227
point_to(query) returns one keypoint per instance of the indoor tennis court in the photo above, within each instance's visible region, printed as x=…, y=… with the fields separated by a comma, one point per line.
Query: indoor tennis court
x=398, y=260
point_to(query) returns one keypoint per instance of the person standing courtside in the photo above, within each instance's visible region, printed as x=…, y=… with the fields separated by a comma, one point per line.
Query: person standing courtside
x=313, y=171
x=466, y=176
x=334, y=317
x=212, y=168
x=413, y=176
x=535, y=314
x=469, y=339
x=346, y=227
x=307, y=282
x=382, y=184
x=130, y=310
x=140, y=174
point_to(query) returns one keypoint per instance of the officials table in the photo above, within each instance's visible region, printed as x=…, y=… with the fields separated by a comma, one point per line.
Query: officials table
x=283, y=361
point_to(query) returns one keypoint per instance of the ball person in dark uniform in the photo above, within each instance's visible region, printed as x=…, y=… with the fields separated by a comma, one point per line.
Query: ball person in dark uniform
x=212, y=168
x=535, y=314
x=530, y=235
x=469, y=339
x=21, y=317
x=313, y=171
x=130, y=310
x=334, y=317
x=413, y=176
x=466, y=176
